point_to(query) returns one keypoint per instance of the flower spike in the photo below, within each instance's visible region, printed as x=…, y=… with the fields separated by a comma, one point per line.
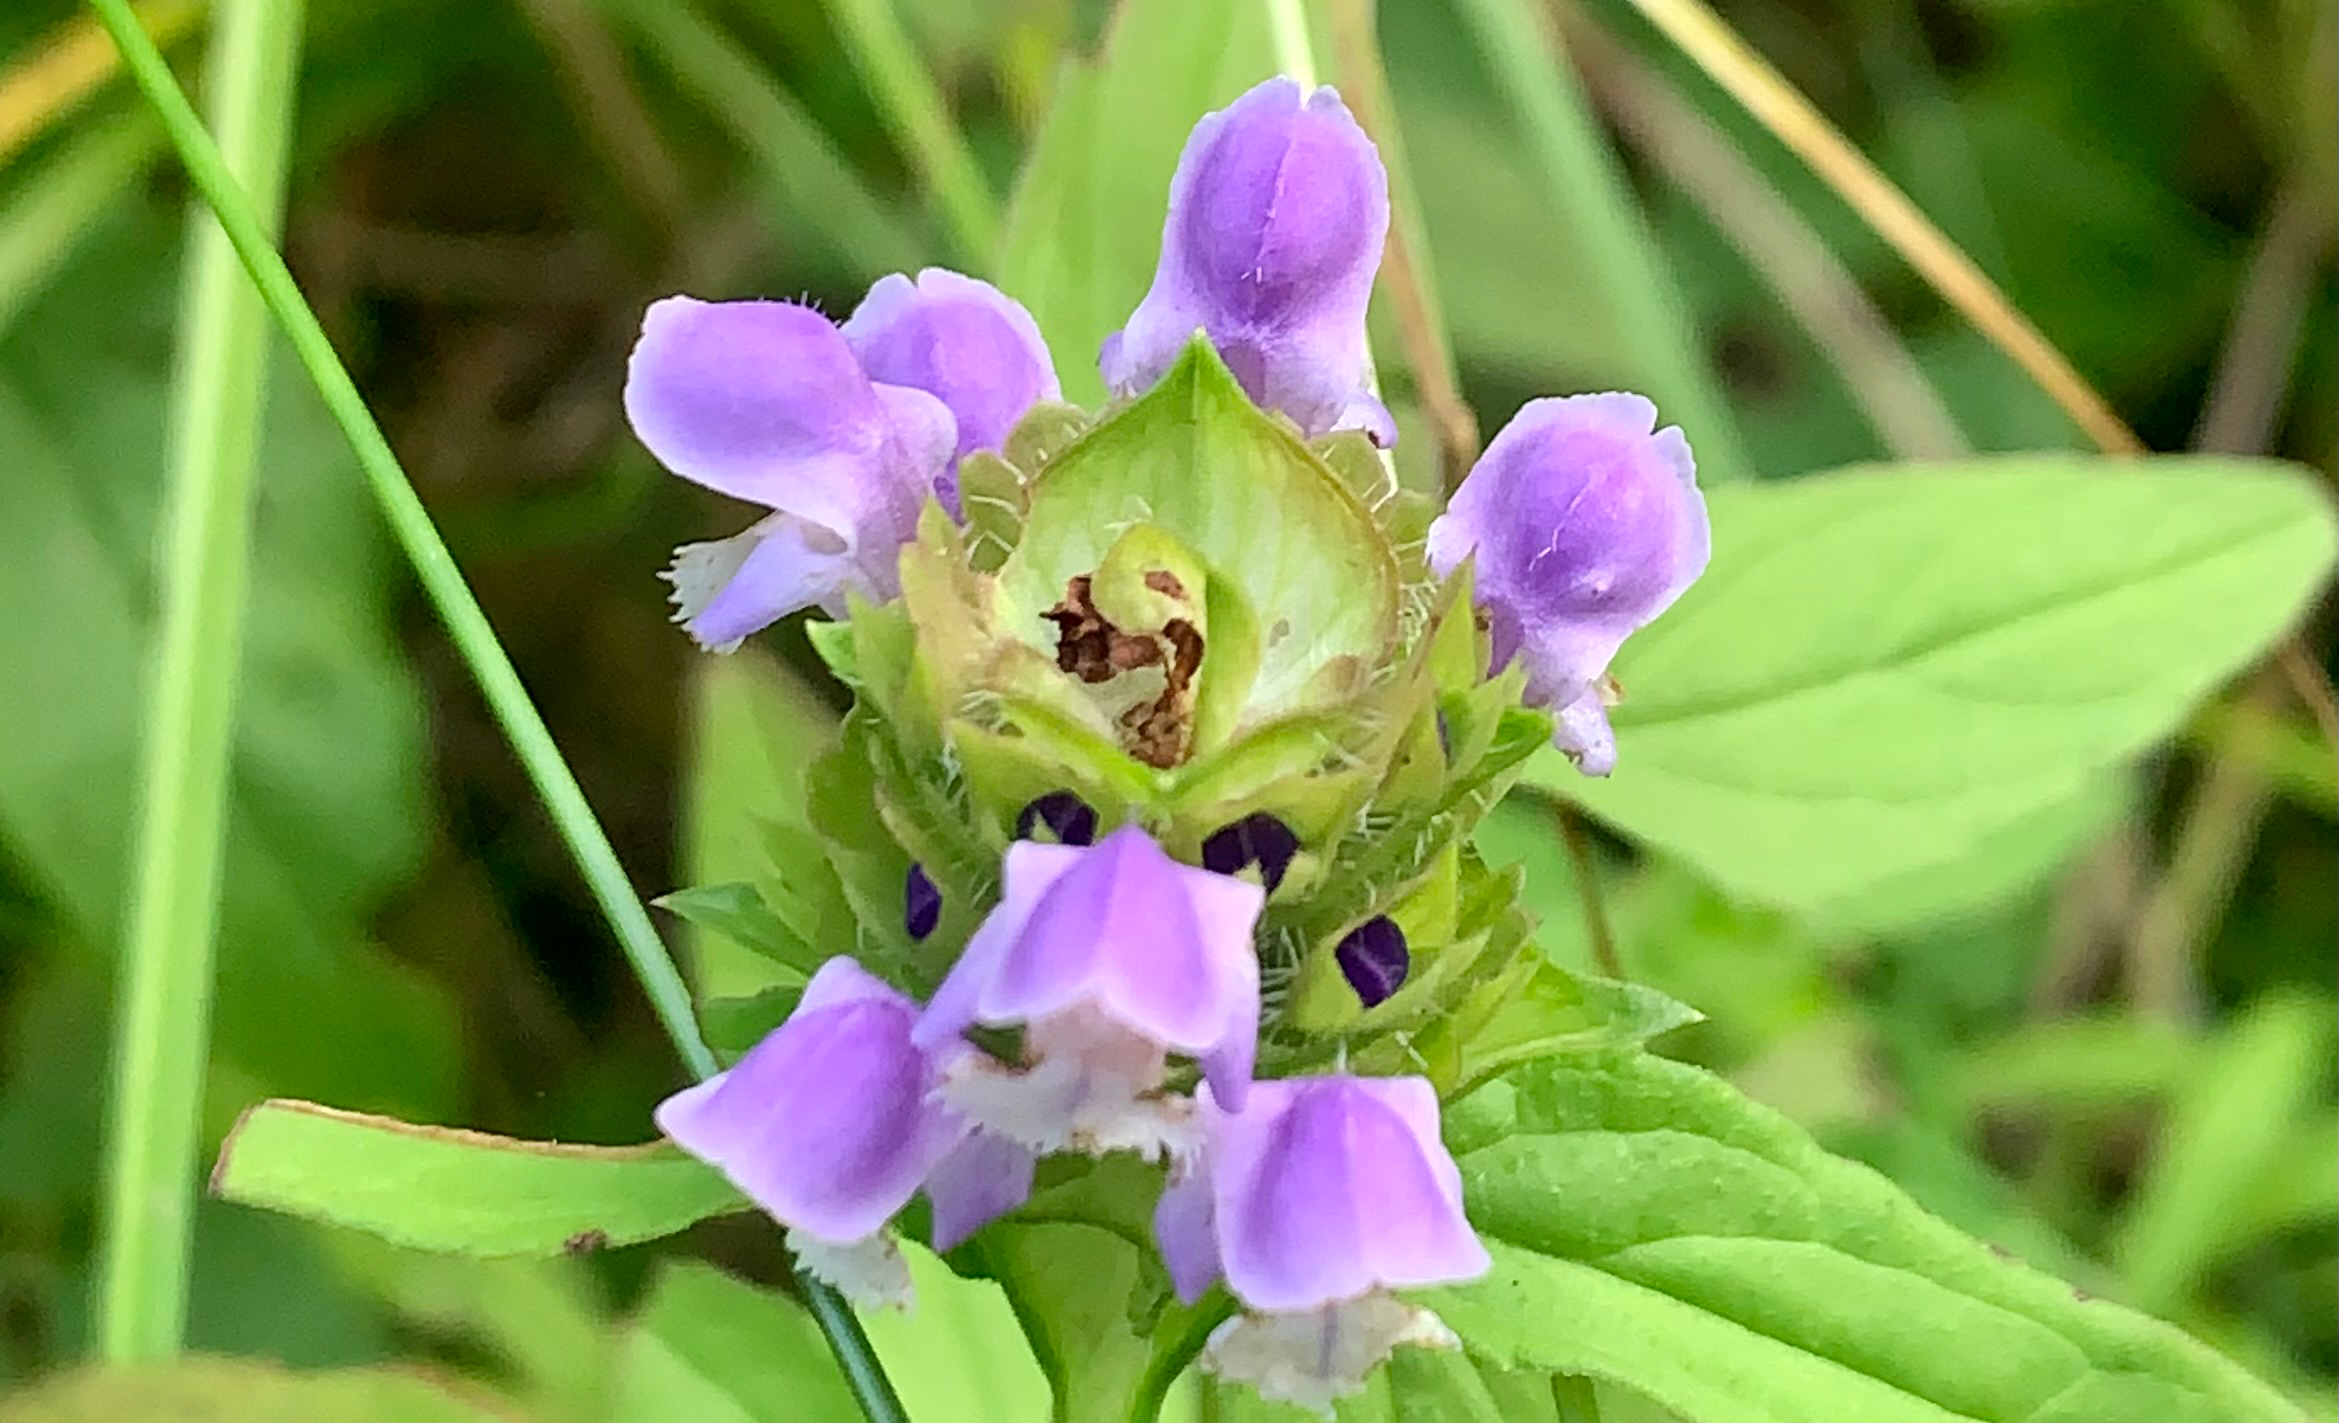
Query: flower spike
x=764, y=401
x=829, y=1125
x=1277, y=216
x=1586, y=522
x=1111, y=958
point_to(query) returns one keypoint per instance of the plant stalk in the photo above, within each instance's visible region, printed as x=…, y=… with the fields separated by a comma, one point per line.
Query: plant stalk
x=162, y=1036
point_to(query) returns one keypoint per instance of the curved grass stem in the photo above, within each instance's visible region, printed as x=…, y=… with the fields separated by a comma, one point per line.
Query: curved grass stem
x=467, y=625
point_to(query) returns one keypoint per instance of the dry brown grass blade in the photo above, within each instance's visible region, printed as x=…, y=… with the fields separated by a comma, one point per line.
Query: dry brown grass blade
x=1405, y=278
x=1884, y=379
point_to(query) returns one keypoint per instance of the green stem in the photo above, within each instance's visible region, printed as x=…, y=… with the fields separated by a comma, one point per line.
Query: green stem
x=912, y=107
x=467, y=626
x=162, y=1036
x=1522, y=54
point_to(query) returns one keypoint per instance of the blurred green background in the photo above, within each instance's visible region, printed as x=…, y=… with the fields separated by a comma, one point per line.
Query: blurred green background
x=2105, y=1043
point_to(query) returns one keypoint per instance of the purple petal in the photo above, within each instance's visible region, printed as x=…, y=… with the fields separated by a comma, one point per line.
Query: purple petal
x=1028, y=871
x=1581, y=730
x=1373, y=958
x=1328, y=1187
x=1256, y=839
x=982, y=1179
x=1277, y=216
x=763, y=401
x=921, y=903
x=1187, y=1231
x=1160, y=948
x=727, y=591
x=827, y=1123
x=1586, y=523
x=1069, y=818
x=961, y=340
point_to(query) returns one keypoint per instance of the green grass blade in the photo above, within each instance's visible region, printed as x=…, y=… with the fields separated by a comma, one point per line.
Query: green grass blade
x=826, y=201
x=162, y=1035
x=1521, y=53
x=44, y=215
x=466, y=624
x=912, y=107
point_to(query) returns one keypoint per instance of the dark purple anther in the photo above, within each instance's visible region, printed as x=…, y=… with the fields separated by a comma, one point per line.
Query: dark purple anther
x=1373, y=959
x=1069, y=818
x=921, y=901
x=1256, y=839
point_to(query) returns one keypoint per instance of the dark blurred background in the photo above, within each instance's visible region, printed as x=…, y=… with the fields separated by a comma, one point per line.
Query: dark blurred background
x=486, y=194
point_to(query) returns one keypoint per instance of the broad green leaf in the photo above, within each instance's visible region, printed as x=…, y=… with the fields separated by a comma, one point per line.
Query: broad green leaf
x=1085, y=226
x=1653, y=1228
x=199, y=1390
x=1883, y=666
x=708, y=1349
x=464, y=1192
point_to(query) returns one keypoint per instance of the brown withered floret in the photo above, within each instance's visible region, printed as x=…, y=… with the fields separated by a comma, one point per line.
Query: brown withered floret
x=1158, y=731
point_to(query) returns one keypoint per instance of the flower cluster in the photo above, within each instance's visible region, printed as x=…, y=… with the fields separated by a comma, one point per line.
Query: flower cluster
x=1111, y=999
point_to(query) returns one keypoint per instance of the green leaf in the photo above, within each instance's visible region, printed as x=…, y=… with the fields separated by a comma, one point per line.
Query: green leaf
x=707, y=1348
x=1085, y=225
x=710, y=1349
x=1653, y=1228
x=248, y=1391
x=462, y=1192
x=738, y=913
x=1884, y=666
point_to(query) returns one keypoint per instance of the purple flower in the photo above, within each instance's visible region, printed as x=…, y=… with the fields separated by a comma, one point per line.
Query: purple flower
x=963, y=341
x=829, y=1124
x=764, y=401
x=1110, y=958
x=1374, y=960
x=1587, y=522
x=1314, y=1202
x=1276, y=219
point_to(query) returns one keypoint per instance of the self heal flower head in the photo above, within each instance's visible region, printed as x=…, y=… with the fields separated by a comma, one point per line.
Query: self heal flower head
x=1110, y=957
x=1277, y=216
x=963, y=341
x=1587, y=522
x=765, y=401
x=1314, y=1202
x=829, y=1125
